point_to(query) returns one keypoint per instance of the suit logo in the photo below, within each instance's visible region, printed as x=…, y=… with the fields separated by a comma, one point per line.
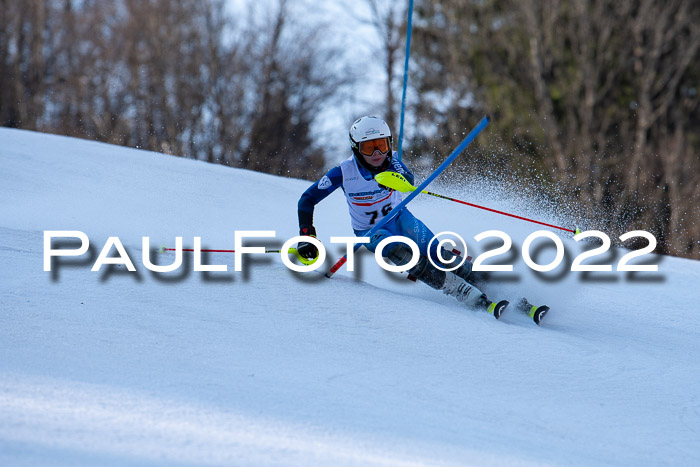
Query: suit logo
x=324, y=183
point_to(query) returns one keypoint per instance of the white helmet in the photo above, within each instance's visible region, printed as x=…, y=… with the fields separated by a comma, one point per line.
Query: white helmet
x=366, y=129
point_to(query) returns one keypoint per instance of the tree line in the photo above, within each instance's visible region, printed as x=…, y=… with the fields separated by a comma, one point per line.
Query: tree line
x=594, y=103
x=180, y=77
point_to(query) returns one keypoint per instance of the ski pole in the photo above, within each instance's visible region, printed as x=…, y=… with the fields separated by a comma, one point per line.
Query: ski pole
x=291, y=251
x=409, y=29
x=398, y=182
x=394, y=212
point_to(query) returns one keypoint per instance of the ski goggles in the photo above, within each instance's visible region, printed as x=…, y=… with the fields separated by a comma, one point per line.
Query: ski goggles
x=367, y=148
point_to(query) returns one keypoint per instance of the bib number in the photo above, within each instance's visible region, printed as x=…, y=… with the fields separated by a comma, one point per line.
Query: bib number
x=374, y=214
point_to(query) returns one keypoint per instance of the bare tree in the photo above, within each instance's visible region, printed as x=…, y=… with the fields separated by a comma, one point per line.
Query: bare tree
x=295, y=76
x=23, y=64
x=180, y=77
x=594, y=95
x=389, y=20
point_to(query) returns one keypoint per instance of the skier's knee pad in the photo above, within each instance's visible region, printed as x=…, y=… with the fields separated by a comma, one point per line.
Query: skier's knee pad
x=400, y=254
x=424, y=271
x=464, y=271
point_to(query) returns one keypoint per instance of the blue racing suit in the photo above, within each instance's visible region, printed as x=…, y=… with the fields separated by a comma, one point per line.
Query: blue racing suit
x=368, y=202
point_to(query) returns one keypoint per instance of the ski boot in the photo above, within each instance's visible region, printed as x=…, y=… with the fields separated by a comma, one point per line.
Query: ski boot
x=465, y=271
x=470, y=295
x=448, y=282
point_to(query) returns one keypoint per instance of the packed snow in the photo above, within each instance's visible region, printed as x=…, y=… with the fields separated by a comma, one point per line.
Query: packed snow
x=272, y=367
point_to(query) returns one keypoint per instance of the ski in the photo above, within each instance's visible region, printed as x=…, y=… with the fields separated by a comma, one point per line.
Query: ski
x=497, y=309
x=533, y=311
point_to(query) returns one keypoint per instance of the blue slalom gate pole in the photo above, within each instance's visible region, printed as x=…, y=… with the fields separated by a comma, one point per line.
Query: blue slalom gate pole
x=405, y=75
x=462, y=146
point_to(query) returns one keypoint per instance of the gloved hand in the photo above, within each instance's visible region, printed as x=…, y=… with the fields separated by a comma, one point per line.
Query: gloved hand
x=306, y=249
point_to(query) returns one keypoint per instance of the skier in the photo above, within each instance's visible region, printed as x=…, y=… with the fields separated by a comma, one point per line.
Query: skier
x=369, y=202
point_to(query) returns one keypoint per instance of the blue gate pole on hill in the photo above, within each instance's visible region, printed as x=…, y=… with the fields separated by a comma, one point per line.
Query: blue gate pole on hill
x=462, y=146
x=405, y=75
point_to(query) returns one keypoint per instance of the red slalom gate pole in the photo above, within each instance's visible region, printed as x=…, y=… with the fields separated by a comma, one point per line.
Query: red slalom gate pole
x=499, y=212
x=212, y=251
x=398, y=182
x=291, y=251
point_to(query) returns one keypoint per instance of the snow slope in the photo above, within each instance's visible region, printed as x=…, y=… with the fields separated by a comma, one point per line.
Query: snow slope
x=270, y=367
